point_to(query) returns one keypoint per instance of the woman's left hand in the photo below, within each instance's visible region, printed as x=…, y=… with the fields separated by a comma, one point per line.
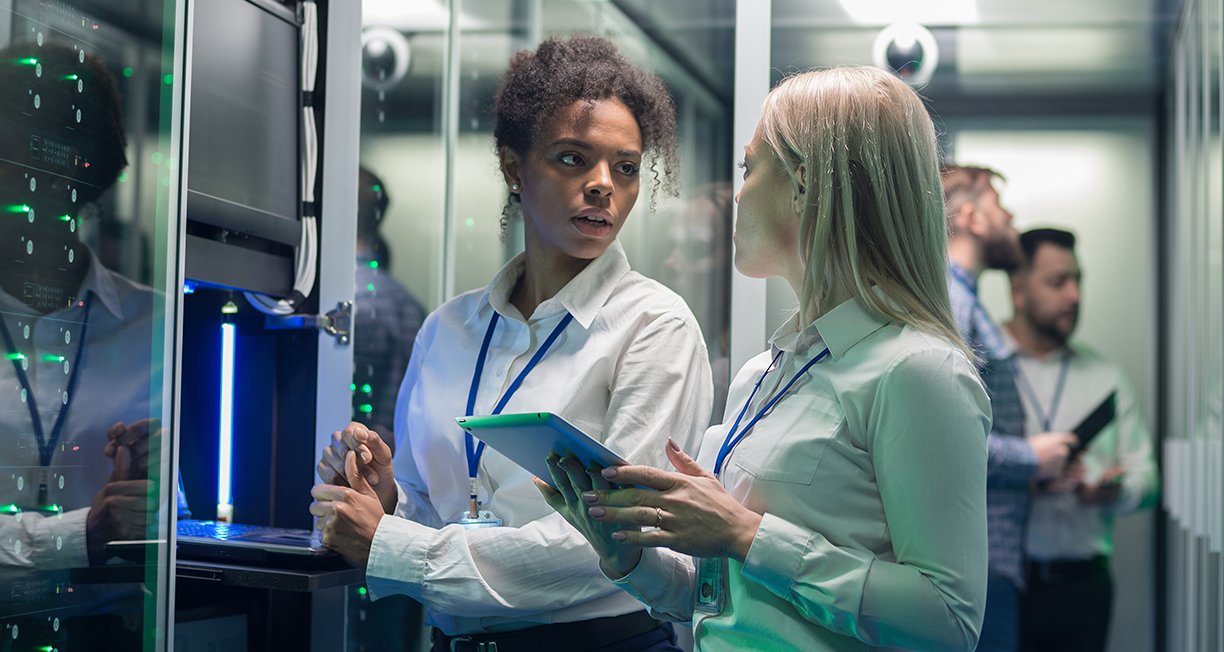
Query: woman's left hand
x=690, y=509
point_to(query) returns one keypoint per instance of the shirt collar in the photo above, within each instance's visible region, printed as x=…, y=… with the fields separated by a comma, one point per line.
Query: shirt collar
x=839, y=329
x=582, y=297
x=98, y=280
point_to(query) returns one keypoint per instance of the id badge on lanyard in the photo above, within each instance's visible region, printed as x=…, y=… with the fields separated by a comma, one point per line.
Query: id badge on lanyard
x=473, y=516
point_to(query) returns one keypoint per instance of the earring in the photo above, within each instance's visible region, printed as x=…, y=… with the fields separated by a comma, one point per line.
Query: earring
x=514, y=187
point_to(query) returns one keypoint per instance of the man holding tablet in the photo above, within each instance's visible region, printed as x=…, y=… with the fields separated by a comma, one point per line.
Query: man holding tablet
x=1066, y=605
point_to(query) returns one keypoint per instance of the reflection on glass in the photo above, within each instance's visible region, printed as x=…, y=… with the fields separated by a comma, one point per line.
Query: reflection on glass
x=80, y=386
x=387, y=319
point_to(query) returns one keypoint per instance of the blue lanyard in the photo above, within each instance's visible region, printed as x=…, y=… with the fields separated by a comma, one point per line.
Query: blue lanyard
x=734, y=439
x=1046, y=419
x=475, y=452
x=46, y=447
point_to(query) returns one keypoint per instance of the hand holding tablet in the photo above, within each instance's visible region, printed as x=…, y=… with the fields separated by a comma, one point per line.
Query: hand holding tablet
x=528, y=439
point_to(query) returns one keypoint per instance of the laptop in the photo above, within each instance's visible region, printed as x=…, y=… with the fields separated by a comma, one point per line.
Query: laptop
x=220, y=541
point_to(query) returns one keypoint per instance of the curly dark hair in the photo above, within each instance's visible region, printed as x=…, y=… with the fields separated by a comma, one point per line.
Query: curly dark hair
x=563, y=70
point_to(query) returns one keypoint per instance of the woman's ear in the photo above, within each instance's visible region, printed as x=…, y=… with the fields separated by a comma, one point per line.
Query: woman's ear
x=800, y=199
x=510, y=169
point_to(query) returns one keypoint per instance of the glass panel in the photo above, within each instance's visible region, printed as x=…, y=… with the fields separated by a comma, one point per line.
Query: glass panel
x=402, y=198
x=88, y=165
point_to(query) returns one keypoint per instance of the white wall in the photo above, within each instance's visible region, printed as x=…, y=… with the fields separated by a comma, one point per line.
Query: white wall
x=1096, y=178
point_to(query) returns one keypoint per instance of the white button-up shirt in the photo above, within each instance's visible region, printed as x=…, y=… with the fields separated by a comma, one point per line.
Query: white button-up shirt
x=631, y=370
x=1060, y=527
x=871, y=479
x=115, y=380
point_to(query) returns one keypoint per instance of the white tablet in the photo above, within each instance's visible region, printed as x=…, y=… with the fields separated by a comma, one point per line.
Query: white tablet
x=528, y=439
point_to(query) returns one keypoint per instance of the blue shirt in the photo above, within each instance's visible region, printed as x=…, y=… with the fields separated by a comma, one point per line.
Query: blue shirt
x=1011, y=461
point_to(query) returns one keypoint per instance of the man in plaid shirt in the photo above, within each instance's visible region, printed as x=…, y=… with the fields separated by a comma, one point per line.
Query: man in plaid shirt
x=981, y=236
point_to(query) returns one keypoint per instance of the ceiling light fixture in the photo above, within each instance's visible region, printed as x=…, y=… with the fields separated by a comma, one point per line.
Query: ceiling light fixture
x=929, y=12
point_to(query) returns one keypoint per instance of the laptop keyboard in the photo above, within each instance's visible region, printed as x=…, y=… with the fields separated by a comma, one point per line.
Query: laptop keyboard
x=224, y=531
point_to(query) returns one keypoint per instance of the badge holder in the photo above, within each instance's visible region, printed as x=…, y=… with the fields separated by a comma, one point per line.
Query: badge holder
x=708, y=596
x=474, y=517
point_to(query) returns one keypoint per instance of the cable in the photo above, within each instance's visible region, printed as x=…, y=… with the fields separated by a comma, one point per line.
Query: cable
x=306, y=257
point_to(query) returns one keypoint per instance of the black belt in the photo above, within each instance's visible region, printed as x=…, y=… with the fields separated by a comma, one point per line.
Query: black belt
x=1054, y=571
x=592, y=633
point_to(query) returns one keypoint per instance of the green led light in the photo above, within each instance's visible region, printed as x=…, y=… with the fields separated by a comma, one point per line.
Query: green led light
x=376, y=187
x=169, y=79
x=10, y=509
x=17, y=208
x=123, y=177
x=230, y=308
x=373, y=264
x=53, y=358
x=352, y=387
x=128, y=72
x=28, y=61
x=369, y=287
x=366, y=408
x=362, y=590
x=47, y=648
x=71, y=77
x=15, y=356
x=366, y=388
x=65, y=218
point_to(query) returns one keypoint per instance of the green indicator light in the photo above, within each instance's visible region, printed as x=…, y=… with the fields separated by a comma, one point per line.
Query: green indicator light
x=71, y=77
x=169, y=79
x=373, y=264
x=370, y=287
x=65, y=218
x=47, y=648
x=352, y=387
x=366, y=388
x=53, y=358
x=28, y=61
x=15, y=356
x=123, y=177
x=366, y=408
x=17, y=208
x=128, y=72
x=362, y=590
x=376, y=187
x=230, y=308
x=10, y=509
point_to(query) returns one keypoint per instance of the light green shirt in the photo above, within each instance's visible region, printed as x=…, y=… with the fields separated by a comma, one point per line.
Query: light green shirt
x=871, y=479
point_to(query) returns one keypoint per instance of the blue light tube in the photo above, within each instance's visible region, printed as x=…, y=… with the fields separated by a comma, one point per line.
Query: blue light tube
x=226, y=434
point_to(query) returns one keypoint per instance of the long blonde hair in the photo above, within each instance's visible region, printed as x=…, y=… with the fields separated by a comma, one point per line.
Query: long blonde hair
x=873, y=211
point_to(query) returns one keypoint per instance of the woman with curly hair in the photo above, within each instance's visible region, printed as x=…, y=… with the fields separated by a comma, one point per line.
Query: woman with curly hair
x=842, y=506
x=565, y=327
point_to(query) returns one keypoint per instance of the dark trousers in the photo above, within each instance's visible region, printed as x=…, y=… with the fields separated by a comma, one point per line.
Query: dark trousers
x=1067, y=606
x=1000, y=628
x=630, y=633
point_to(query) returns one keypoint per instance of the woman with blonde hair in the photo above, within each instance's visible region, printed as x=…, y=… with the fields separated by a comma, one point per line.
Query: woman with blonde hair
x=842, y=505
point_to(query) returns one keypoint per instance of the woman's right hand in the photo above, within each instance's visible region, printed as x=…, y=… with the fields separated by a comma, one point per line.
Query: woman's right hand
x=373, y=457
x=572, y=480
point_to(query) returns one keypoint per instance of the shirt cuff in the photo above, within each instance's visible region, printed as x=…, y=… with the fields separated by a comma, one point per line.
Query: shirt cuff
x=398, y=554
x=650, y=578
x=776, y=554
x=61, y=541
